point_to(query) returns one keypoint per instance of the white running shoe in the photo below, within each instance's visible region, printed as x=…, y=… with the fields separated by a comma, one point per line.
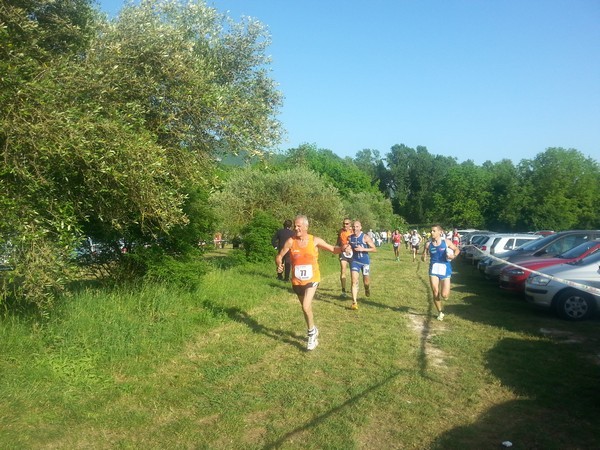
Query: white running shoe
x=440, y=316
x=312, y=339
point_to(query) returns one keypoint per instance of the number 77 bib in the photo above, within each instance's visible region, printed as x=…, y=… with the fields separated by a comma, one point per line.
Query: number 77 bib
x=303, y=272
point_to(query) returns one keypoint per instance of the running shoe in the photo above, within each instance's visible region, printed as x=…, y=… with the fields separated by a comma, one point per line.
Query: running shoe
x=440, y=316
x=312, y=339
x=343, y=294
x=354, y=306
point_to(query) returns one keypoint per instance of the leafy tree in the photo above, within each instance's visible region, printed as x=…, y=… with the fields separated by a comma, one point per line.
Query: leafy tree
x=372, y=209
x=370, y=162
x=257, y=235
x=39, y=40
x=342, y=173
x=107, y=129
x=416, y=176
x=508, y=194
x=565, y=190
x=281, y=194
x=461, y=197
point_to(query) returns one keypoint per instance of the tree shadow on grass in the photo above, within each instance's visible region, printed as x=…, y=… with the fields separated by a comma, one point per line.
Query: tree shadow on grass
x=560, y=405
x=278, y=284
x=556, y=379
x=383, y=306
x=350, y=403
x=244, y=318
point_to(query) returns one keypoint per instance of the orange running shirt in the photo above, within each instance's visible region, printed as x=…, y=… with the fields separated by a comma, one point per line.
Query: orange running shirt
x=305, y=262
x=344, y=236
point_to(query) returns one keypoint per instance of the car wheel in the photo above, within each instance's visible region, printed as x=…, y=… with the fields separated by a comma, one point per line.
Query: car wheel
x=574, y=305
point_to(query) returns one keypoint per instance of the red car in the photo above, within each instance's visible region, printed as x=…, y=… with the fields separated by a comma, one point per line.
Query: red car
x=513, y=278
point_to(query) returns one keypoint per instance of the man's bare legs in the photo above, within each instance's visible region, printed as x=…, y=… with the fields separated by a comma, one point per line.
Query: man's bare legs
x=440, y=290
x=306, y=302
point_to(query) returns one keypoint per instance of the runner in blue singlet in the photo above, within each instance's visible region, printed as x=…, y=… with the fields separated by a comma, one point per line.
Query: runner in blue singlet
x=441, y=252
x=361, y=245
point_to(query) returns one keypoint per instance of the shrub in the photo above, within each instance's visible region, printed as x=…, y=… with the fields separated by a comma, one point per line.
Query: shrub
x=153, y=264
x=257, y=237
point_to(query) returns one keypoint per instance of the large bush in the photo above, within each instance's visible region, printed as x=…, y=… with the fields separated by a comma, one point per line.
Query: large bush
x=257, y=237
x=106, y=125
x=281, y=194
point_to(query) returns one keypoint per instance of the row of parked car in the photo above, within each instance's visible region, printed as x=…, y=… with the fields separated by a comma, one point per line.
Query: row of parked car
x=558, y=271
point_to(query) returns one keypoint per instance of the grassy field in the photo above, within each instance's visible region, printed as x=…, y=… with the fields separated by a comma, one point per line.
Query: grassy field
x=225, y=367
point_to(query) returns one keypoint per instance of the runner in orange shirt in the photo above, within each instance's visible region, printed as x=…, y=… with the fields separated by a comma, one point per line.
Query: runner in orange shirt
x=304, y=250
x=343, y=237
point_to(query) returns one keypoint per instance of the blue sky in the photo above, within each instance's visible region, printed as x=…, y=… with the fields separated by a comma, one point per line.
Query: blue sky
x=473, y=79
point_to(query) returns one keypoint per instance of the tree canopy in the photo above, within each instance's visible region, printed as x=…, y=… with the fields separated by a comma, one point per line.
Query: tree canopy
x=108, y=125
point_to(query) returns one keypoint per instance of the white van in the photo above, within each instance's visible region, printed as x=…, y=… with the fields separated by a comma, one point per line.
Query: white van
x=497, y=244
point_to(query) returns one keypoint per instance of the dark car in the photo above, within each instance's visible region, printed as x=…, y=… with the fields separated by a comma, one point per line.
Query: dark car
x=546, y=247
x=513, y=278
x=544, y=232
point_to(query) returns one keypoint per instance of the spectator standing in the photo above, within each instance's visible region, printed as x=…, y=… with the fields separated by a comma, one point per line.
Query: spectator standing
x=455, y=237
x=278, y=241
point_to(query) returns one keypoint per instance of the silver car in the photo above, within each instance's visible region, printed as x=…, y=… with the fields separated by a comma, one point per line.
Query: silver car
x=578, y=298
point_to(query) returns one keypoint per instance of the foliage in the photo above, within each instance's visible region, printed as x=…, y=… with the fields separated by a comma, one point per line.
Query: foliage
x=507, y=195
x=342, y=173
x=370, y=162
x=110, y=129
x=201, y=223
x=257, y=235
x=564, y=190
x=373, y=210
x=282, y=194
x=461, y=197
x=559, y=189
x=154, y=265
x=417, y=175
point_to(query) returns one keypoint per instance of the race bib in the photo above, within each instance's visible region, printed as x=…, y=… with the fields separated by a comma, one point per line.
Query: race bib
x=303, y=272
x=366, y=269
x=438, y=269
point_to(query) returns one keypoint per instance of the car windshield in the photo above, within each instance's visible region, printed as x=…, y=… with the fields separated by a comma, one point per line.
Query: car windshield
x=536, y=244
x=594, y=258
x=576, y=252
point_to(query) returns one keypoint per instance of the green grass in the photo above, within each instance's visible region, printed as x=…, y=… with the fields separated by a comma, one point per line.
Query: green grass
x=225, y=367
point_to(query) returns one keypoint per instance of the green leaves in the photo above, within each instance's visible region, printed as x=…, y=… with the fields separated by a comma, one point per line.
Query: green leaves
x=107, y=126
